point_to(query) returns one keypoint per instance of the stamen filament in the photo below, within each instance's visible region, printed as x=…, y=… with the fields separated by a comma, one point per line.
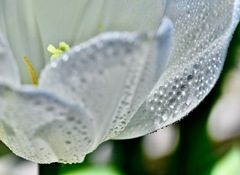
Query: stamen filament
x=31, y=71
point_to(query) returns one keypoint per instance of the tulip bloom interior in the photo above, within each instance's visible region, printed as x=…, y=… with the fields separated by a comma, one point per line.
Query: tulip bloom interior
x=133, y=68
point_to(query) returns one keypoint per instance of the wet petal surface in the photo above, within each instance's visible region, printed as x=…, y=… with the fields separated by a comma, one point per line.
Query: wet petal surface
x=202, y=31
x=39, y=127
x=110, y=75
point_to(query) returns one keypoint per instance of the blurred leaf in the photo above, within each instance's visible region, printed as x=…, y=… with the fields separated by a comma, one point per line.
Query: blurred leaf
x=229, y=164
x=4, y=149
x=95, y=170
x=129, y=156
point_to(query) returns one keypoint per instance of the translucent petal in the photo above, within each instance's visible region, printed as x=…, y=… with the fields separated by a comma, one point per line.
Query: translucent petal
x=103, y=75
x=20, y=28
x=39, y=127
x=96, y=75
x=153, y=67
x=202, y=31
x=8, y=67
x=76, y=21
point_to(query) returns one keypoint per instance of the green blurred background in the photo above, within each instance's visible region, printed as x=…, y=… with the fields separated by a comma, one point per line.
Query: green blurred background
x=203, y=143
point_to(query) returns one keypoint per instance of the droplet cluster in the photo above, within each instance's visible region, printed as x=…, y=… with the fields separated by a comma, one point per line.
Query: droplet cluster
x=179, y=94
x=195, y=64
x=200, y=40
x=101, y=75
x=125, y=105
x=41, y=128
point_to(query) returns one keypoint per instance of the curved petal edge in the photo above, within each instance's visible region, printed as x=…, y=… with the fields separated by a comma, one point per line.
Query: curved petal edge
x=202, y=32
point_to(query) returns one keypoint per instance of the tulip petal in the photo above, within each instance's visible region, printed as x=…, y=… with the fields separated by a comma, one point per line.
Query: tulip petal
x=39, y=127
x=154, y=66
x=8, y=67
x=20, y=28
x=110, y=75
x=77, y=21
x=202, y=32
x=98, y=76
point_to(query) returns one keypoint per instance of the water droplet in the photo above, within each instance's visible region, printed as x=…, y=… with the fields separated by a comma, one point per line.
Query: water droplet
x=184, y=87
x=189, y=77
x=165, y=115
x=65, y=57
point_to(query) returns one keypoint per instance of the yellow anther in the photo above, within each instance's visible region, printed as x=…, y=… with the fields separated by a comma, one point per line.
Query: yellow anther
x=57, y=52
x=31, y=71
x=63, y=46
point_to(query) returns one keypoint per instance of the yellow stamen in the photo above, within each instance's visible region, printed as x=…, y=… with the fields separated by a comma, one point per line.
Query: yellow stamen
x=57, y=52
x=63, y=46
x=31, y=71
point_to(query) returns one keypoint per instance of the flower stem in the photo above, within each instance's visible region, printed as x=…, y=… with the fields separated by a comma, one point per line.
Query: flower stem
x=49, y=169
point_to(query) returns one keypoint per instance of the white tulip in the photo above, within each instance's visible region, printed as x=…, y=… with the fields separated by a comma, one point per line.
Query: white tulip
x=118, y=85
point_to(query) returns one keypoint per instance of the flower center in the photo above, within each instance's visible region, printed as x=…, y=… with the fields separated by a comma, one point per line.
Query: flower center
x=56, y=53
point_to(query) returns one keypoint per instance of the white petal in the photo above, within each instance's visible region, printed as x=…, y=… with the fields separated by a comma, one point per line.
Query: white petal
x=19, y=27
x=202, y=31
x=8, y=67
x=153, y=68
x=79, y=20
x=98, y=75
x=110, y=76
x=40, y=127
